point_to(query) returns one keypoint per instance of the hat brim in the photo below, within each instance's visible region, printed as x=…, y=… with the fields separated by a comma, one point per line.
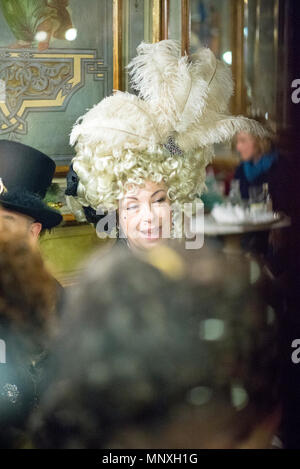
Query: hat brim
x=48, y=217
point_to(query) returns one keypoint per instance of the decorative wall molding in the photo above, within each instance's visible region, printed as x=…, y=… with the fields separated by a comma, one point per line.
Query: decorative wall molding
x=42, y=82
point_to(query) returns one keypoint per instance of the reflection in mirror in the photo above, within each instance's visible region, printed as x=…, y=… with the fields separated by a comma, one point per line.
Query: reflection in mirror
x=137, y=27
x=260, y=52
x=211, y=27
x=174, y=20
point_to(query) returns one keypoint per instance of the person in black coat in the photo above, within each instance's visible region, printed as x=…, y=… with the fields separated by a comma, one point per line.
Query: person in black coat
x=28, y=297
x=25, y=176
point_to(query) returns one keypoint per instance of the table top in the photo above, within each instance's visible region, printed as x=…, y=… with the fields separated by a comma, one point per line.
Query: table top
x=214, y=228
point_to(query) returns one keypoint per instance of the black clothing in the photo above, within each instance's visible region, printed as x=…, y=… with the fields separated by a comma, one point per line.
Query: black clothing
x=21, y=380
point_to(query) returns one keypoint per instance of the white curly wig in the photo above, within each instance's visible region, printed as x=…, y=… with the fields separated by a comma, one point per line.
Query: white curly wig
x=165, y=134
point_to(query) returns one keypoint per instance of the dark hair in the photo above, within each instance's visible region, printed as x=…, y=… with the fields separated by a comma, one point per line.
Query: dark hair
x=142, y=338
x=27, y=290
x=27, y=302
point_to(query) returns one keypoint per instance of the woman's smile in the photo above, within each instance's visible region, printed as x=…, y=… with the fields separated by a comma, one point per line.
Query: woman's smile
x=151, y=234
x=145, y=215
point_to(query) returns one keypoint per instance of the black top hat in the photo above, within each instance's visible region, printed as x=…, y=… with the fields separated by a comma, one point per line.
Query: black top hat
x=26, y=174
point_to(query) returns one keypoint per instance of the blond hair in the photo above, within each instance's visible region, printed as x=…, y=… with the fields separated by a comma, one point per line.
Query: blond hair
x=124, y=140
x=264, y=144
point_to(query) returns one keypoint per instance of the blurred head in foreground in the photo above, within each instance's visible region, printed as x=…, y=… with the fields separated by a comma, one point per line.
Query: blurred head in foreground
x=27, y=290
x=170, y=351
x=27, y=302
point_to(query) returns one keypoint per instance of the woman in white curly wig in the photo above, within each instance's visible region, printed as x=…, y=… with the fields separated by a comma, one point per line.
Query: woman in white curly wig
x=144, y=157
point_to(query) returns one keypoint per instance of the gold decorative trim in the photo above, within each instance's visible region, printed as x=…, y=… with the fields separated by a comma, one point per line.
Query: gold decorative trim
x=61, y=171
x=165, y=19
x=185, y=26
x=156, y=22
x=69, y=218
x=51, y=79
x=117, y=45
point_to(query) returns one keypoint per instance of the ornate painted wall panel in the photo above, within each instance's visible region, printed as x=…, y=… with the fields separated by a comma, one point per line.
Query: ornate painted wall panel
x=55, y=62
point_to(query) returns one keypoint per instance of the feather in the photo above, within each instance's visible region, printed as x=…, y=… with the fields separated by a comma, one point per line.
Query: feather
x=163, y=79
x=180, y=88
x=217, y=128
x=121, y=120
x=182, y=107
x=76, y=208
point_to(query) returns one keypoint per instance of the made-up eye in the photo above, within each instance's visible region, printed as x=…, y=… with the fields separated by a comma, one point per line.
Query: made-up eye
x=162, y=199
x=132, y=207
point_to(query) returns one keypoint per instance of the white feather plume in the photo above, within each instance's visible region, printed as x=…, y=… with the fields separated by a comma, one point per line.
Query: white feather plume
x=187, y=92
x=123, y=138
x=165, y=80
x=180, y=88
x=119, y=121
x=217, y=128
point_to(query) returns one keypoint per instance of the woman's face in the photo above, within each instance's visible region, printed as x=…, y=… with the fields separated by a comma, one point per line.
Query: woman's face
x=246, y=146
x=145, y=215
